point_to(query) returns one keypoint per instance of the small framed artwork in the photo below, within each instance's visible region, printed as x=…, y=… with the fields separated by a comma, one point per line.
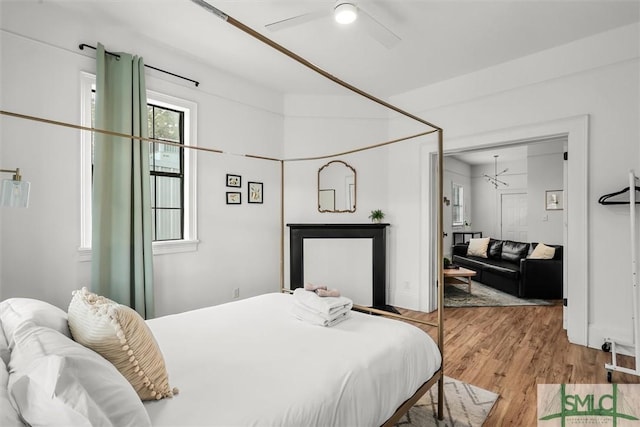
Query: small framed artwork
x=254, y=192
x=234, y=180
x=234, y=198
x=554, y=200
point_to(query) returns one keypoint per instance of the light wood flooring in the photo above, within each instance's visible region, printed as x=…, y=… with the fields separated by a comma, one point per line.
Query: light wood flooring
x=509, y=350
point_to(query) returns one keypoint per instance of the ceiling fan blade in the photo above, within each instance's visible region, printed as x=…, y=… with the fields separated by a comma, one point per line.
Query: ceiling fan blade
x=379, y=32
x=296, y=20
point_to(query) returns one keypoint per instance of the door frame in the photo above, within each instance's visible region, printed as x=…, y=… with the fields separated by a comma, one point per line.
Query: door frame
x=576, y=240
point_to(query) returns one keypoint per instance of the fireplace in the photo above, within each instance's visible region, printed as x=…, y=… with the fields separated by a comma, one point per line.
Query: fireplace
x=375, y=232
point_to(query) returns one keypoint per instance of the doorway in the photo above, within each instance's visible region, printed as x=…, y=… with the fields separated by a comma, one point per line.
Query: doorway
x=576, y=279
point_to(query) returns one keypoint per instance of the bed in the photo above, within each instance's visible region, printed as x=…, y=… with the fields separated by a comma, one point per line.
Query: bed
x=245, y=363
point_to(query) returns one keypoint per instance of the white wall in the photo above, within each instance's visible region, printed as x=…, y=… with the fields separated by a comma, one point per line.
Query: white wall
x=485, y=198
x=41, y=66
x=459, y=173
x=545, y=167
x=553, y=85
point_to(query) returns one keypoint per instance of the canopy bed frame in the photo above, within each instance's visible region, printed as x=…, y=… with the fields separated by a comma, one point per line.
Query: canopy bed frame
x=437, y=377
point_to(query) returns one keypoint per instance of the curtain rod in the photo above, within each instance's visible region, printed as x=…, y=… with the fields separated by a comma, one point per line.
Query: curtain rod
x=197, y=83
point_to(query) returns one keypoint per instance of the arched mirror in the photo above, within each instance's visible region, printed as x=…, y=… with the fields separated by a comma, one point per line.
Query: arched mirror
x=336, y=187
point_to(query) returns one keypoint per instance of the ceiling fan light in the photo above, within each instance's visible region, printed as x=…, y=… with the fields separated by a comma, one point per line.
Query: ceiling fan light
x=345, y=13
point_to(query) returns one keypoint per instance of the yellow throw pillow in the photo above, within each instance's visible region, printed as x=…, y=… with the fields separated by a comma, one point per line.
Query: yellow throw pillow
x=478, y=247
x=543, y=251
x=120, y=335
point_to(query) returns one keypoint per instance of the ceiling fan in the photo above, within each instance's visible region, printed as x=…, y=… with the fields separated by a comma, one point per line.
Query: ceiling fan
x=344, y=12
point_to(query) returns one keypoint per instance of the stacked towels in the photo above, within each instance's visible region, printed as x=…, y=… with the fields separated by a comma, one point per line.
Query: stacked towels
x=310, y=307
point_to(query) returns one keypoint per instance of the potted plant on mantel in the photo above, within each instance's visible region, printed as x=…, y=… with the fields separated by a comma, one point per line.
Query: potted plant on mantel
x=376, y=216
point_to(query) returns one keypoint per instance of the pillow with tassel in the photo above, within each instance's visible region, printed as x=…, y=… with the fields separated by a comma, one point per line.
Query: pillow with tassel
x=121, y=336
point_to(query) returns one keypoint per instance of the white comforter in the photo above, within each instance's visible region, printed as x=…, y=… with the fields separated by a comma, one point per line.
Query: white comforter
x=252, y=363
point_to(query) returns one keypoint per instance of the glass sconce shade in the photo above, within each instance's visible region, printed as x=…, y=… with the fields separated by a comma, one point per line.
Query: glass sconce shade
x=15, y=194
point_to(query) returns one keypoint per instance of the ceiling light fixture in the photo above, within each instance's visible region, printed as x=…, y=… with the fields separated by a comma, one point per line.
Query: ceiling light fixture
x=345, y=13
x=494, y=179
x=15, y=192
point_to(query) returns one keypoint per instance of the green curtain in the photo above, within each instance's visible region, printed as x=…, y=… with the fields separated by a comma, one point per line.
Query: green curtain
x=122, y=258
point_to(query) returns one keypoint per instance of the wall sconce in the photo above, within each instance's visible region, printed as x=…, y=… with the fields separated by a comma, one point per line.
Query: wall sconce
x=447, y=201
x=15, y=191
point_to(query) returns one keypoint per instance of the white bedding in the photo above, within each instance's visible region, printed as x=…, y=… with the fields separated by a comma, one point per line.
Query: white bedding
x=252, y=363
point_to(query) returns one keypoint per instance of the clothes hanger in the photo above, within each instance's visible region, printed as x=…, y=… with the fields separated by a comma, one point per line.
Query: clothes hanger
x=604, y=200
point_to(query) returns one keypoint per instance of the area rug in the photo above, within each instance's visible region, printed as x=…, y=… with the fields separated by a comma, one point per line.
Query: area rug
x=464, y=405
x=457, y=295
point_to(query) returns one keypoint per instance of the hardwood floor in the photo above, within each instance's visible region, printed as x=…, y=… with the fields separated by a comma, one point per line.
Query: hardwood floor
x=509, y=350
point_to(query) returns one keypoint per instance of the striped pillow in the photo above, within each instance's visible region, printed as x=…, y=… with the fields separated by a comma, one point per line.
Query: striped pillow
x=120, y=335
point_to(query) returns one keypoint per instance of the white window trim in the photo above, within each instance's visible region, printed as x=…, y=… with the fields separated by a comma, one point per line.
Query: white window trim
x=189, y=108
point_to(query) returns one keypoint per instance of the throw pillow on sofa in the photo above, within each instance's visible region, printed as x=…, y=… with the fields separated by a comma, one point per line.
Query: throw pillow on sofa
x=478, y=247
x=543, y=251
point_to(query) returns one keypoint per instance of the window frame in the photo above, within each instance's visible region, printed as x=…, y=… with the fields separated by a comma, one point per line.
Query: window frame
x=189, y=242
x=457, y=204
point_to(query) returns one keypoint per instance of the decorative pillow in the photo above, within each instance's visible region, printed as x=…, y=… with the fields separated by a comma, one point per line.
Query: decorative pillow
x=56, y=381
x=16, y=311
x=478, y=247
x=121, y=336
x=543, y=251
x=5, y=353
x=9, y=417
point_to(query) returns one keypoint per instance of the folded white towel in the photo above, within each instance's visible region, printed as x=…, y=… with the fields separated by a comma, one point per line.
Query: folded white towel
x=322, y=305
x=301, y=313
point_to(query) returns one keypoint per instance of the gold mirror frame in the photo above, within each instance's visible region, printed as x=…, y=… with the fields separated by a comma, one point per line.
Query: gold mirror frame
x=346, y=192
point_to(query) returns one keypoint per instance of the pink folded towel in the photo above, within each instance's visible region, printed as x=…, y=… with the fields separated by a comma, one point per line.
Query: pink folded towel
x=314, y=288
x=328, y=292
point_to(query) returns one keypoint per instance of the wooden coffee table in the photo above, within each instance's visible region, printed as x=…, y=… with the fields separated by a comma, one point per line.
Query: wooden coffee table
x=457, y=275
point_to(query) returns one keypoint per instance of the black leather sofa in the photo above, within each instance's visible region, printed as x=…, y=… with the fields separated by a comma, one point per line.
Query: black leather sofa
x=508, y=269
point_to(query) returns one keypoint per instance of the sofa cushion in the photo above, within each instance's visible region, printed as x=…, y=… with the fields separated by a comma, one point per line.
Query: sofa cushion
x=478, y=247
x=495, y=249
x=543, y=251
x=514, y=251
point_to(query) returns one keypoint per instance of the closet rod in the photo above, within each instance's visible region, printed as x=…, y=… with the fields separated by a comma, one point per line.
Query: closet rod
x=195, y=82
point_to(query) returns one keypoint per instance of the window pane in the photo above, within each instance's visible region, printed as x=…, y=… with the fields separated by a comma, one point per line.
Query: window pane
x=168, y=224
x=168, y=194
x=166, y=124
x=166, y=158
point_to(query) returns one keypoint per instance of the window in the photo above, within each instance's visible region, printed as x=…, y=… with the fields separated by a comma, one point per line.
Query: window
x=458, y=204
x=172, y=171
x=166, y=169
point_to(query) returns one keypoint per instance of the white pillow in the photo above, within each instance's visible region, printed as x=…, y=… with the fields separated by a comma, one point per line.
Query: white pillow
x=5, y=353
x=121, y=336
x=16, y=311
x=543, y=251
x=55, y=381
x=478, y=247
x=9, y=417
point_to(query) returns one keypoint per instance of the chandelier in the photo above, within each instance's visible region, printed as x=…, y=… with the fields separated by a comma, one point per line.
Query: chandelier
x=494, y=179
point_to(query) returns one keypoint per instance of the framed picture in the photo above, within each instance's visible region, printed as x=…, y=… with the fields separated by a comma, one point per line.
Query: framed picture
x=254, y=192
x=234, y=180
x=554, y=200
x=234, y=198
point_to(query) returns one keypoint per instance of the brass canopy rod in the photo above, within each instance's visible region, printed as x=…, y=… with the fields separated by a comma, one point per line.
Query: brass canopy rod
x=306, y=63
x=192, y=147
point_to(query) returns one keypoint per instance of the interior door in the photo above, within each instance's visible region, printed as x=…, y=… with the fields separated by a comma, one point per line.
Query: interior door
x=513, y=218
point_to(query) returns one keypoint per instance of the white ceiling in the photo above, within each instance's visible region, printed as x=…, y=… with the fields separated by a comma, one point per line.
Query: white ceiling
x=439, y=39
